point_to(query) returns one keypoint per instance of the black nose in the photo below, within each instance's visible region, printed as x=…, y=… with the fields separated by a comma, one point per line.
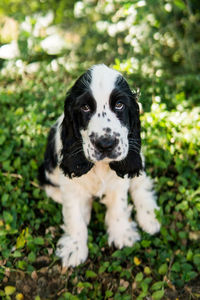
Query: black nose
x=105, y=144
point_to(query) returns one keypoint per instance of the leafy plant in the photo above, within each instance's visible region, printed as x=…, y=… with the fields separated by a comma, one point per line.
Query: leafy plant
x=156, y=45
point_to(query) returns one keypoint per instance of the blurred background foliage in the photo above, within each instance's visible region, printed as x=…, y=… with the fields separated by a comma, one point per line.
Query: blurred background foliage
x=155, y=42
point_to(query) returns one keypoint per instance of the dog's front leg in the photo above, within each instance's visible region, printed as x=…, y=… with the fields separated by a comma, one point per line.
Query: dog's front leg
x=142, y=193
x=72, y=247
x=121, y=229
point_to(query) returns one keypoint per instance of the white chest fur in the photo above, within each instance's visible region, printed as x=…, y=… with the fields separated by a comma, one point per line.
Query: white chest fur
x=97, y=181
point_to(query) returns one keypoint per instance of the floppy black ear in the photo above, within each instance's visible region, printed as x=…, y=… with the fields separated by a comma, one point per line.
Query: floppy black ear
x=132, y=164
x=73, y=160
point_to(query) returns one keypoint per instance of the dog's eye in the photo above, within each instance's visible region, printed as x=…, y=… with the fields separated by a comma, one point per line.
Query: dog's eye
x=119, y=106
x=86, y=108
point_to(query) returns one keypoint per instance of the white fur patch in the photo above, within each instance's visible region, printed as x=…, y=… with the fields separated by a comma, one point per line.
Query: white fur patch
x=72, y=252
x=141, y=189
x=76, y=195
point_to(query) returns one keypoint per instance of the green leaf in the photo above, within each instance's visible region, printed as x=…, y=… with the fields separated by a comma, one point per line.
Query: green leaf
x=117, y=254
x=17, y=254
x=158, y=295
x=157, y=285
x=144, y=286
x=21, y=264
x=9, y=290
x=147, y=270
x=2, y=139
x=103, y=267
x=108, y=294
x=39, y=241
x=20, y=241
x=121, y=289
x=190, y=255
x=31, y=257
x=7, y=217
x=141, y=296
x=139, y=277
x=22, y=238
x=190, y=275
x=2, y=293
x=90, y=274
x=186, y=267
x=68, y=296
x=163, y=269
x=176, y=267
x=196, y=259
x=145, y=243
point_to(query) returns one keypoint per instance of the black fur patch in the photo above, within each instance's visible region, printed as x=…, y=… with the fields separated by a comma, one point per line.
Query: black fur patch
x=74, y=162
x=43, y=179
x=132, y=164
x=50, y=159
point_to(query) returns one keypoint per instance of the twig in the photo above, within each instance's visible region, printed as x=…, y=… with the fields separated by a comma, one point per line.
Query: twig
x=18, y=176
x=12, y=175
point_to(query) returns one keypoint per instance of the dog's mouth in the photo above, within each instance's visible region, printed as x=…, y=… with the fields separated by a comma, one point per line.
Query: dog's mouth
x=106, y=147
x=107, y=156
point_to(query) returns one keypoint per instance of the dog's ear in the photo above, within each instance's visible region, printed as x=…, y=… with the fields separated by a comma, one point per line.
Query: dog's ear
x=73, y=161
x=131, y=165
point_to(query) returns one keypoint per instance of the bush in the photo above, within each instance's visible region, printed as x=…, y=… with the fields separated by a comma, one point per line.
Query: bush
x=156, y=45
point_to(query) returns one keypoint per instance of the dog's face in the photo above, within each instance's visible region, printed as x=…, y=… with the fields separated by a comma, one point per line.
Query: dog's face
x=105, y=137
x=101, y=123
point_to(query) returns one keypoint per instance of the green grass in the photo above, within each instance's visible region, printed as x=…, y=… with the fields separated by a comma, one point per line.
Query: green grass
x=160, y=267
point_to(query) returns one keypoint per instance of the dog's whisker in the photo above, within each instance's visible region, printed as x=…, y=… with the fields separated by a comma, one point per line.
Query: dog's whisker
x=134, y=143
x=134, y=150
x=76, y=152
x=134, y=147
x=75, y=146
x=77, y=142
x=77, y=149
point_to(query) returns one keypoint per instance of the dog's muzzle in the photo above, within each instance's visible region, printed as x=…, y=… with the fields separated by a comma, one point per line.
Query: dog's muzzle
x=105, y=146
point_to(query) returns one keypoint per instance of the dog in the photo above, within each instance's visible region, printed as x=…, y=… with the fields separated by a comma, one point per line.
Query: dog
x=94, y=149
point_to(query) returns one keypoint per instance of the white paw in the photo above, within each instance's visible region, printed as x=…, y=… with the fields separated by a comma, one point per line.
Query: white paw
x=147, y=221
x=123, y=235
x=72, y=252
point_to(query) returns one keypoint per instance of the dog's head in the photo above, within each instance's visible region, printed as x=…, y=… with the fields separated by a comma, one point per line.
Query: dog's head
x=101, y=123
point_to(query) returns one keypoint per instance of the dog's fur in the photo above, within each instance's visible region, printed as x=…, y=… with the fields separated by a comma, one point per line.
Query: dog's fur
x=94, y=150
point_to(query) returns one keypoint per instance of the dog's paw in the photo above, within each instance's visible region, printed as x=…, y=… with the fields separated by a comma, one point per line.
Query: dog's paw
x=72, y=252
x=148, y=222
x=123, y=235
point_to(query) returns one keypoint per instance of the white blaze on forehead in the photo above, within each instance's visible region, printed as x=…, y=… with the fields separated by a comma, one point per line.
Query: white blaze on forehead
x=102, y=84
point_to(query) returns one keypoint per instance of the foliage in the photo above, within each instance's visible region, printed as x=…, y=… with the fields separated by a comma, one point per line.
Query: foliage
x=155, y=42
x=18, y=8
x=156, y=45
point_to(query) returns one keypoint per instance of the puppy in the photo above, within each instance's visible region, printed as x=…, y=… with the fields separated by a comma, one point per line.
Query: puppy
x=94, y=149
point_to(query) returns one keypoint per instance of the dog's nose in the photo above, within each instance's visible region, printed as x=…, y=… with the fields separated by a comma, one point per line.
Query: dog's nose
x=106, y=144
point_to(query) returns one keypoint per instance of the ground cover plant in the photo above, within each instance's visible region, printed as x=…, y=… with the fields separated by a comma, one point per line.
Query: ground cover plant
x=33, y=85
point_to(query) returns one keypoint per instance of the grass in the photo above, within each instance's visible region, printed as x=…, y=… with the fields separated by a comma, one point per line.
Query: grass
x=165, y=266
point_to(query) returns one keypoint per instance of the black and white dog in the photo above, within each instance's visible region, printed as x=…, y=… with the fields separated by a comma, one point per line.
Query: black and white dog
x=94, y=150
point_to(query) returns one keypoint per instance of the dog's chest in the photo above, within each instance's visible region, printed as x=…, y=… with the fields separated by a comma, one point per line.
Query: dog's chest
x=98, y=179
